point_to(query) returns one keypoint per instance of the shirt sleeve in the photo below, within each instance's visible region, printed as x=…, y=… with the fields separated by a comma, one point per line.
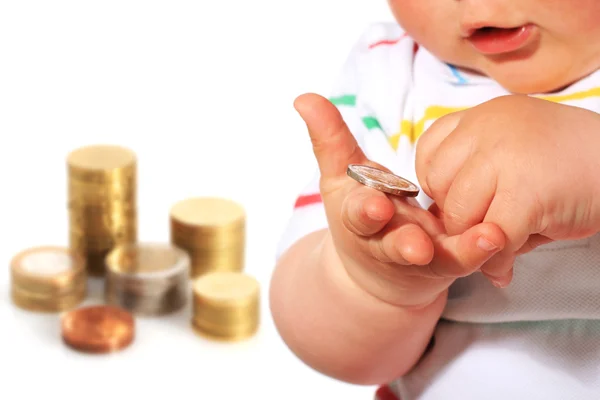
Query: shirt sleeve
x=308, y=214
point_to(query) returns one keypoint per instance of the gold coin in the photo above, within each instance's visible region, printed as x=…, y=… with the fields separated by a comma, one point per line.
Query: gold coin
x=105, y=226
x=208, y=212
x=95, y=261
x=212, y=231
x=102, y=195
x=36, y=302
x=223, y=288
x=101, y=158
x=226, y=305
x=48, y=278
x=204, y=262
x=219, y=239
x=147, y=260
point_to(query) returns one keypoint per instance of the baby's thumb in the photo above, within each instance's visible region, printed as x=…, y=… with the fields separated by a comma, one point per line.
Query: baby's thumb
x=333, y=143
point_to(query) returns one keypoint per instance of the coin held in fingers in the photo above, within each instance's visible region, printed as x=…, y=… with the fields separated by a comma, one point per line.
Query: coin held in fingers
x=383, y=181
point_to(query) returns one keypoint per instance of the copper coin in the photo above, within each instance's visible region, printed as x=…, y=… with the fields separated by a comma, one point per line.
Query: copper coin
x=98, y=329
x=383, y=181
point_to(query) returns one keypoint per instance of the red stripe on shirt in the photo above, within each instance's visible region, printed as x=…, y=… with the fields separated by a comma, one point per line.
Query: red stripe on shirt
x=386, y=42
x=308, y=199
x=385, y=393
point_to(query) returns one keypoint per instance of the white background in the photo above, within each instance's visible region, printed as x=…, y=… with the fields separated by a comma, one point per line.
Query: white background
x=203, y=92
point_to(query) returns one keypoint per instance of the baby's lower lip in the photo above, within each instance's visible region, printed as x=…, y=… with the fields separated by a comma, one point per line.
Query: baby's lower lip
x=500, y=40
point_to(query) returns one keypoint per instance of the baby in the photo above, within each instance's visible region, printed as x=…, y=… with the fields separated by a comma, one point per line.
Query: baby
x=487, y=285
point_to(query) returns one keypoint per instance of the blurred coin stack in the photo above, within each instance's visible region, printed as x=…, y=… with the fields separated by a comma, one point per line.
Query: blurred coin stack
x=226, y=305
x=212, y=231
x=147, y=279
x=102, y=196
x=98, y=329
x=48, y=279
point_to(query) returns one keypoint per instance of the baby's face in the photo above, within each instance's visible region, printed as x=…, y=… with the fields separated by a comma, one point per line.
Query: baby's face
x=528, y=46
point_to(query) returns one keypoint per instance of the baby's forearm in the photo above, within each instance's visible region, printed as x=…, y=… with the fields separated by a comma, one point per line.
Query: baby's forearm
x=336, y=327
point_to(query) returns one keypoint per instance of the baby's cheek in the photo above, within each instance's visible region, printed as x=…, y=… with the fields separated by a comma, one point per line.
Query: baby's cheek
x=570, y=18
x=417, y=17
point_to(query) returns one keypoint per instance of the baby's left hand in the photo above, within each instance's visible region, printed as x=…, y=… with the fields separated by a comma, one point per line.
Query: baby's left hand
x=528, y=165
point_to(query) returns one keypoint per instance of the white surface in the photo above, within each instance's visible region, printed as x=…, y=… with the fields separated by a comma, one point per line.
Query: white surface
x=203, y=92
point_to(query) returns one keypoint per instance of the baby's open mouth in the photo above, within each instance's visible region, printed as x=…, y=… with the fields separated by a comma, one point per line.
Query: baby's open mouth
x=495, y=40
x=492, y=30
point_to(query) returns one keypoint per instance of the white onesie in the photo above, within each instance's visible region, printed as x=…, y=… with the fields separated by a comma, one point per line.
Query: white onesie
x=538, y=339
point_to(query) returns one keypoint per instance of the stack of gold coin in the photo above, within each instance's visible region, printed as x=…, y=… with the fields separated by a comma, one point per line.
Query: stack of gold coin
x=147, y=279
x=226, y=305
x=102, y=197
x=48, y=279
x=213, y=232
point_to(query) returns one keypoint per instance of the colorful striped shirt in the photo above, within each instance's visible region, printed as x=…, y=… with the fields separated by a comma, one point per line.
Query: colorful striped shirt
x=537, y=339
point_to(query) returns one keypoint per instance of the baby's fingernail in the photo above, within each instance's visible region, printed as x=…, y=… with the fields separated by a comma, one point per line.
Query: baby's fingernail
x=498, y=283
x=486, y=245
x=501, y=282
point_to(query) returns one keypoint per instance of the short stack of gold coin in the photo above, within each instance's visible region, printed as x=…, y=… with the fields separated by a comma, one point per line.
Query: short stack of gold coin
x=48, y=279
x=102, y=193
x=148, y=279
x=213, y=232
x=226, y=305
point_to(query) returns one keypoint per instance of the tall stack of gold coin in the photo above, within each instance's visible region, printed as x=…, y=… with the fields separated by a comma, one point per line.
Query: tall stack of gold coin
x=48, y=279
x=213, y=232
x=226, y=305
x=102, y=193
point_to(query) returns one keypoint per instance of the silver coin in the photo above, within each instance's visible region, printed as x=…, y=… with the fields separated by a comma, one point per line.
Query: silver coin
x=383, y=181
x=147, y=279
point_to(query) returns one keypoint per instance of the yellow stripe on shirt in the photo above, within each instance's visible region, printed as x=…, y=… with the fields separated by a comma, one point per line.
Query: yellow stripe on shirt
x=413, y=131
x=594, y=92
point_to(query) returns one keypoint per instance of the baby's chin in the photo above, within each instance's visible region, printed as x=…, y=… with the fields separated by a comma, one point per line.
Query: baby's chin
x=544, y=80
x=524, y=81
x=532, y=85
x=540, y=72
x=541, y=68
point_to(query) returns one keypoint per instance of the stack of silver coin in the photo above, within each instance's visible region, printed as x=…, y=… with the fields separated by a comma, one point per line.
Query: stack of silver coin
x=147, y=279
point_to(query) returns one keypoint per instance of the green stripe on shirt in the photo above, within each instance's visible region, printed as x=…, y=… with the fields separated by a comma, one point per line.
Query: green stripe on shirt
x=350, y=100
x=371, y=123
x=345, y=100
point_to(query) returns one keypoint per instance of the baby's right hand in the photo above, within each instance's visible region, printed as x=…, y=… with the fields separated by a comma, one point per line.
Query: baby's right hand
x=390, y=246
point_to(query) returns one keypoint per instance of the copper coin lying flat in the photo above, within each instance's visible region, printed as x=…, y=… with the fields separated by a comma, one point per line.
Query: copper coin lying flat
x=98, y=329
x=383, y=181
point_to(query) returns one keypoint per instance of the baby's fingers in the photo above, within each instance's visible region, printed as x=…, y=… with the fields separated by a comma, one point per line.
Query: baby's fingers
x=365, y=211
x=499, y=270
x=461, y=255
x=407, y=244
x=386, y=235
